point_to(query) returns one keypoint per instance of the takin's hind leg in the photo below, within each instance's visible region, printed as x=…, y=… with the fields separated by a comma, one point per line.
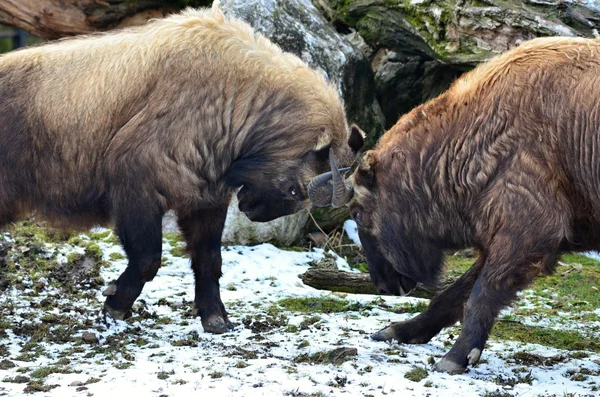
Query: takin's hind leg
x=445, y=309
x=140, y=232
x=202, y=230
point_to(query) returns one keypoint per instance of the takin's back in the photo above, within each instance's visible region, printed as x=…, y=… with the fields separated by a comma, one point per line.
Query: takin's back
x=72, y=108
x=538, y=104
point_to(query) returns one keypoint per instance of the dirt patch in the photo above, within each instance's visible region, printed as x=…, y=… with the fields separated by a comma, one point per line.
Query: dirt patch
x=335, y=356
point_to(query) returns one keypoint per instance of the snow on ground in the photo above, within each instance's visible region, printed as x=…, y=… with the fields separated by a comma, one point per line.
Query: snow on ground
x=163, y=351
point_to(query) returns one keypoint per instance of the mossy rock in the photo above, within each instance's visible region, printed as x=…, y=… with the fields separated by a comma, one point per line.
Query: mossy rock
x=461, y=32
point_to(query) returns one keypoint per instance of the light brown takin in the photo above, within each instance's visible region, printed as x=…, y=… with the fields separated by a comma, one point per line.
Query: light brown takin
x=506, y=161
x=173, y=115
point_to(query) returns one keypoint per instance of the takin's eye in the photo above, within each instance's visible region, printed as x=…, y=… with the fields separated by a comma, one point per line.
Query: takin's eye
x=294, y=193
x=357, y=215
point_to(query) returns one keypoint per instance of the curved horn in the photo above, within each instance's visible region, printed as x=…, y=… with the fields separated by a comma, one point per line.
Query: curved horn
x=342, y=192
x=320, y=191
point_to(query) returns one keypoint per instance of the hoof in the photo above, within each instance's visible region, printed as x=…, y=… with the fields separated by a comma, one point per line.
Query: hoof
x=110, y=290
x=448, y=366
x=116, y=314
x=216, y=325
x=473, y=356
x=384, y=335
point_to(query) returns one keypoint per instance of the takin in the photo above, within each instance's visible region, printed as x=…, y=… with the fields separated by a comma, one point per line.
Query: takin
x=507, y=161
x=118, y=128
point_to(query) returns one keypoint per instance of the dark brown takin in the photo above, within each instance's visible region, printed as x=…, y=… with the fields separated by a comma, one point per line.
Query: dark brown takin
x=506, y=161
x=173, y=115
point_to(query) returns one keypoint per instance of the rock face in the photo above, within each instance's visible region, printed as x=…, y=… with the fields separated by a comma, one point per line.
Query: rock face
x=462, y=32
x=297, y=26
x=404, y=81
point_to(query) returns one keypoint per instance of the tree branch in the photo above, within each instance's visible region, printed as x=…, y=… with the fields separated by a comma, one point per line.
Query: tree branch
x=51, y=19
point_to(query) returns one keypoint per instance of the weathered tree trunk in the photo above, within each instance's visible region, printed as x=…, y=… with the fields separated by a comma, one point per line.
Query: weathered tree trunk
x=51, y=19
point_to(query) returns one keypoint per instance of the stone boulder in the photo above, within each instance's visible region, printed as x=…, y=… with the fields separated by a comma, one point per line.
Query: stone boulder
x=239, y=230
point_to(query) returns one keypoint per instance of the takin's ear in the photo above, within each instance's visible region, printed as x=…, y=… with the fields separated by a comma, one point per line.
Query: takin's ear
x=357, y=138
x=322, y=154
x=216, y=11
x=366, y=168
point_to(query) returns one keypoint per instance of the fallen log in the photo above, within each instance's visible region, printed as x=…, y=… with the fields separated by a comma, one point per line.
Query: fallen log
x=333, y=279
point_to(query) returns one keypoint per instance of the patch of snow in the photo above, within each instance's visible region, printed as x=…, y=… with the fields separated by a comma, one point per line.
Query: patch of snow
x=249, y=363
x=352, y=231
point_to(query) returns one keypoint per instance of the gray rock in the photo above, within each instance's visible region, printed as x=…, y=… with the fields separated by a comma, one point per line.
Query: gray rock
x=404, y=81
x=7, y=364
x=283, y=231
x=77, y=383
x=90, y=337
x=239, y=230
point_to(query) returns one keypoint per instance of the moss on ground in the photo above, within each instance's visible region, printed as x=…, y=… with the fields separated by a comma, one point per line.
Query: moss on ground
x=417, y=374
x=319, y=305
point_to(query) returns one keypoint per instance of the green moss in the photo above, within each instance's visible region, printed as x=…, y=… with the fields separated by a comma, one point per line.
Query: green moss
x=336, y=356
x=165, y=375
x=100, y=235
x=123, y=365
x=459, y=262
x=417, y=374
x=560, y=339
x=293, y=249
x=115, y=256
x=92, y=250
x=35, y=386
x=43, y=372
x=30, y=229
x=410, y=307
x=571, y=288
x=307, y=322
x=173, y=238
x=179, y=251
x=318, y=305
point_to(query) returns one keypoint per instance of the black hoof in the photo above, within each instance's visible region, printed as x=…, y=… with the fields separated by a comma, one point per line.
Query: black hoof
x=384, y=335
x=114, y=313
x=215, y=324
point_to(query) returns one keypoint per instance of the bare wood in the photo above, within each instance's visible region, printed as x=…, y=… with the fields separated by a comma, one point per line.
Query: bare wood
x=51, y=19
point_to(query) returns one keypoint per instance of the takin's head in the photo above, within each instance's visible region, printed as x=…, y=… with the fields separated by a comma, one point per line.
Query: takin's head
x=387, y=214
x=276, y=185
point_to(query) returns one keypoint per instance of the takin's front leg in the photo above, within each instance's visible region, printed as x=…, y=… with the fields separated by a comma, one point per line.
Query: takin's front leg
x=444, y=310
x=504, y=274
x=202, y=230
x=140, y=232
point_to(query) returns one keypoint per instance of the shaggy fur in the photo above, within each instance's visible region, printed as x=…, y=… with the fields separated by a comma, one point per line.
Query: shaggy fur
x=506, y=161
x=175, y=114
